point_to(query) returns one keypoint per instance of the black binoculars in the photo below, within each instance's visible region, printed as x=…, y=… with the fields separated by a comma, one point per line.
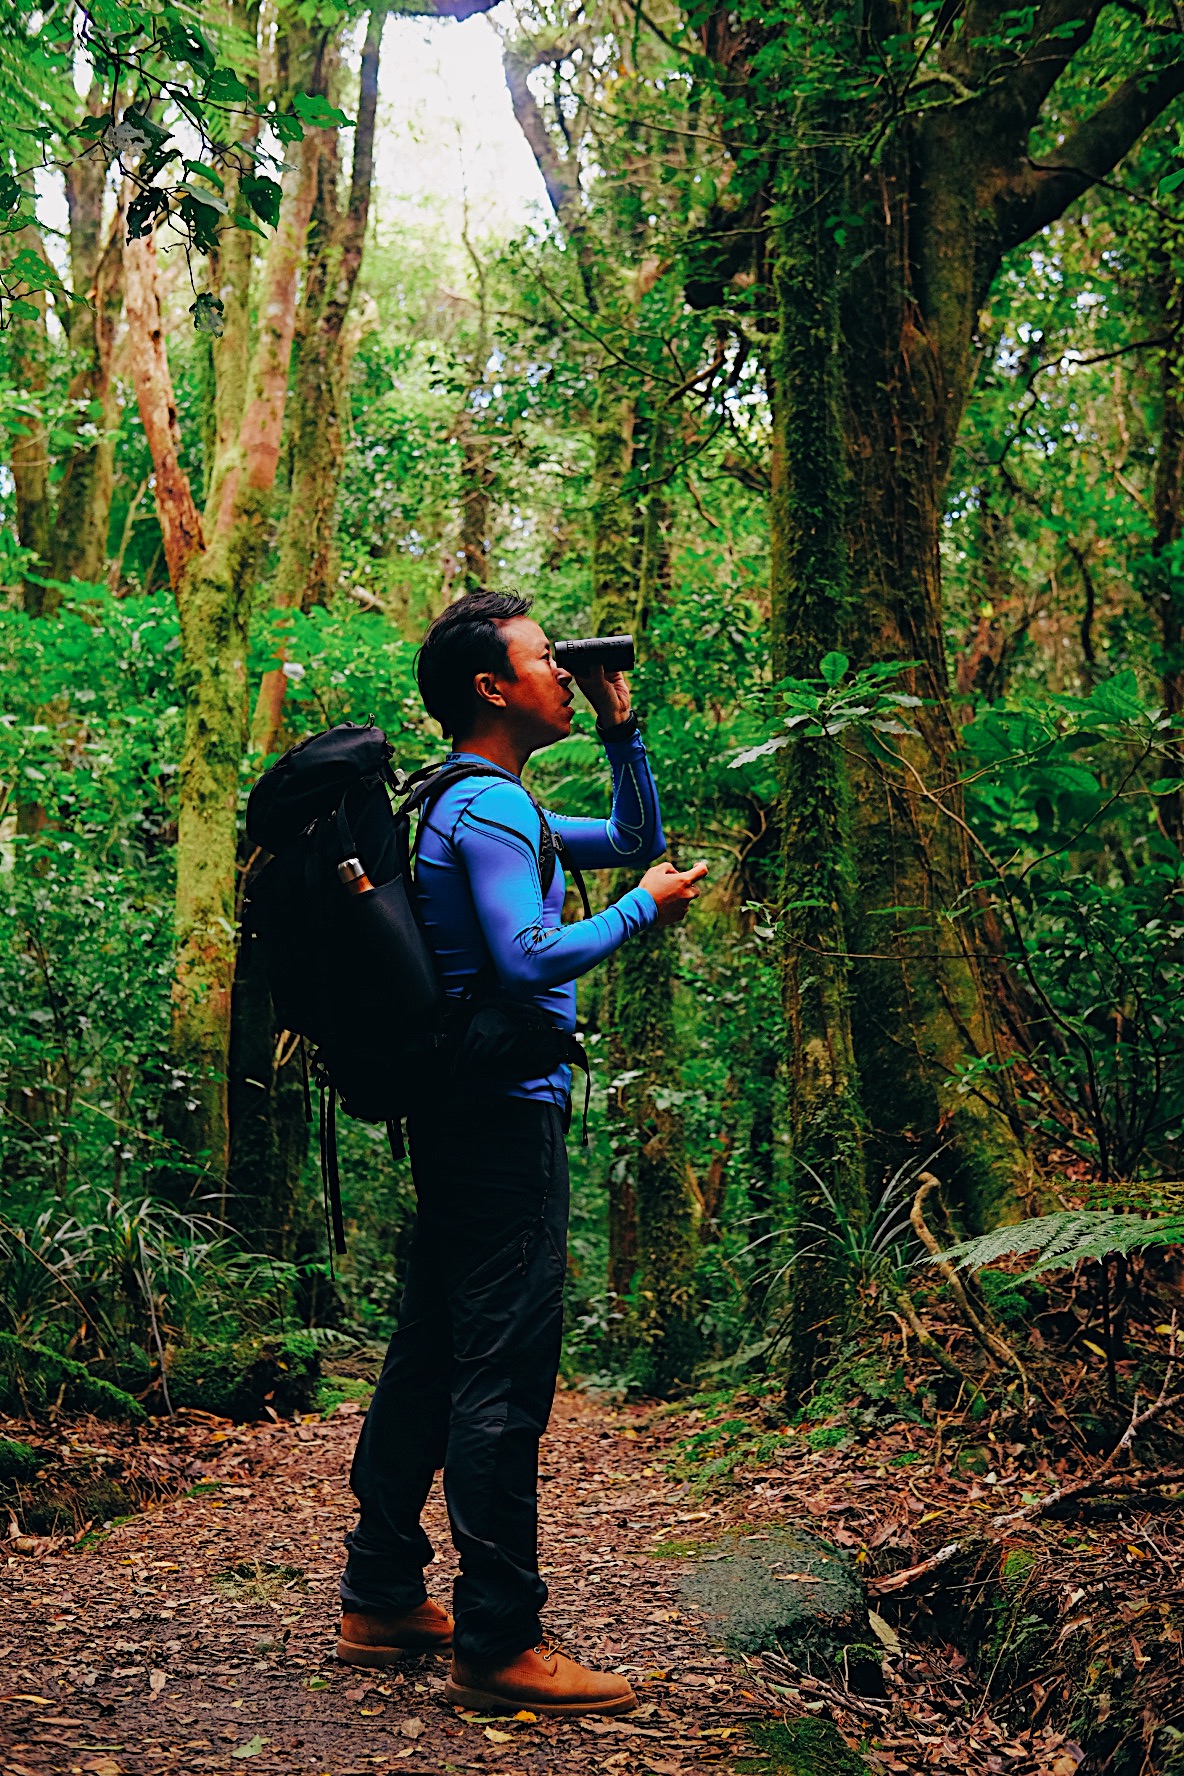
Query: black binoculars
x=613, y=652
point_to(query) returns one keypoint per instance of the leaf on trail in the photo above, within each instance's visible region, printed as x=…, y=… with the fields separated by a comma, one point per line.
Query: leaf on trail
x=884, y=1632
x=411, y=1729
x=524, y=1714
x=41, y=1701
x=497, y=1738
x=252, y=1748
x=157, y=1681
x=318, y=1683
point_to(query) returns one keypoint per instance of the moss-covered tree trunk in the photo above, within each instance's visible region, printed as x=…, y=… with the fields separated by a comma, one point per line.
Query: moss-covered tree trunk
x=653, y=1221
x=811, y=598
x=79, y=545
x=927, y=219
x=1164, y=584
x=306, y=572
x=213, y=559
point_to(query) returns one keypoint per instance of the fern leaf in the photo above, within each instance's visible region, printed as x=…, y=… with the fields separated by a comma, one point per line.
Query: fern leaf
x=1060, y=1241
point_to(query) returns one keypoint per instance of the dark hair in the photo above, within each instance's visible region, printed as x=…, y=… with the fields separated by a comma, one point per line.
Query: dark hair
x=463, y=641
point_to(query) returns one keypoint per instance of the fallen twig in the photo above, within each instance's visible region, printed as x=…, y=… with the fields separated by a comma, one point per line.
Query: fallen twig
x=991, y=1341
x=928, y=1342
x=1097, y=1481
x=908, y=1575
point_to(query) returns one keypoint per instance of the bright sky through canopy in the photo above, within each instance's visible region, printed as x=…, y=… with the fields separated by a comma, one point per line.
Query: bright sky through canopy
x=447, y=128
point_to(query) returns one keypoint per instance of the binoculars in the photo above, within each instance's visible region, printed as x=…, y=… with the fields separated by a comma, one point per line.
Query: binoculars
x=613, y=652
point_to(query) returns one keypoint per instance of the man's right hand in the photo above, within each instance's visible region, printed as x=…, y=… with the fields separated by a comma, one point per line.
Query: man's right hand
x=673, y=890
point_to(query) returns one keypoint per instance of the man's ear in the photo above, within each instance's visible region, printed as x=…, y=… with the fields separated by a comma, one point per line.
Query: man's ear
x=485, y=685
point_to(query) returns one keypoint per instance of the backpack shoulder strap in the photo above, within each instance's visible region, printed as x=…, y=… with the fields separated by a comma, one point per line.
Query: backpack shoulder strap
x=433, y=786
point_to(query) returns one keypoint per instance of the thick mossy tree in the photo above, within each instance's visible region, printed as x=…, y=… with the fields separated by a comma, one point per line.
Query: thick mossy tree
x=887, y=162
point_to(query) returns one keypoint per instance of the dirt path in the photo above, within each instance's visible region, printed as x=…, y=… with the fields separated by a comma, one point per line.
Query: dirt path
x=198, y=1636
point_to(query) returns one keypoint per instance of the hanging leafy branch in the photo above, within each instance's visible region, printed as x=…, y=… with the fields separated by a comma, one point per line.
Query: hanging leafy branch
x=162, y=77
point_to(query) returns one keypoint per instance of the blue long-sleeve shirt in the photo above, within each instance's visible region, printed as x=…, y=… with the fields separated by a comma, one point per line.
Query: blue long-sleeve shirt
x=482, y=899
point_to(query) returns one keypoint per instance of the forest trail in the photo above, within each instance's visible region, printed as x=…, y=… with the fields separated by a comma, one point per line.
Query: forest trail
x=198, y=1635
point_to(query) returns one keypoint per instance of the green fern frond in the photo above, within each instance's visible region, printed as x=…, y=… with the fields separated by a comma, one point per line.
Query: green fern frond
x=38, y=85
x=1060, y=1240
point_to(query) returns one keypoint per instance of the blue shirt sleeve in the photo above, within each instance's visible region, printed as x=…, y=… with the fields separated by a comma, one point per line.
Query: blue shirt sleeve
x=497, y=837
x=632, y=834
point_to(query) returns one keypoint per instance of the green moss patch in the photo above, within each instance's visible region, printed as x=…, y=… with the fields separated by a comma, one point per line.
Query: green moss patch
x=34, y=1379
x=241, y=1380
x=258, y=1580
x=18, y=1461
x=801, y=1748
x=787, y=1590
x=334, y=1390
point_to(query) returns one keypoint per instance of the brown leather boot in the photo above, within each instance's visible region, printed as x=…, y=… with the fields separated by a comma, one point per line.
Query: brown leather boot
x=541, y=1680
x=376, y=1641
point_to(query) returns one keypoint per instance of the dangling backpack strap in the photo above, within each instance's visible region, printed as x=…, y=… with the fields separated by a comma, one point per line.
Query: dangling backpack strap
x=331, y=1175
x=572, y=868
x=577, y=1054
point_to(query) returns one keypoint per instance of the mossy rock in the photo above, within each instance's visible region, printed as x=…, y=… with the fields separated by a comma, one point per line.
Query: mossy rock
x=806, y=1747
x=33, y=1379
x=59, y=1505
x=786, y=1590
x=241, y=1380
x=18, y=1461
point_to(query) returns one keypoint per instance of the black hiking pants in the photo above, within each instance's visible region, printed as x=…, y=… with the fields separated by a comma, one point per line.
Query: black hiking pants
x=469, y=1378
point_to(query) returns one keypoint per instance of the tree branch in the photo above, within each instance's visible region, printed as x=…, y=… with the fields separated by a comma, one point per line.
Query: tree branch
x=180, y=521
x=561, y=177
x=1047, y=55
x=1042, y=191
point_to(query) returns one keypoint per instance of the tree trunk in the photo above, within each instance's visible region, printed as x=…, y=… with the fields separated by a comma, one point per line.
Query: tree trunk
x=1164, y=584
x=214, y=601
x=79, y=546
x=307, y=569
x=213, y=559
x=811, y=608
x=921, y=1007
x=29, y=451
x=947, y=193
x=653, y=1221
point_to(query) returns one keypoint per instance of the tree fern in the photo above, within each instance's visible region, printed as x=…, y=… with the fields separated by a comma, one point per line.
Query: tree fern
x=1060, y=1240
x=38, y=86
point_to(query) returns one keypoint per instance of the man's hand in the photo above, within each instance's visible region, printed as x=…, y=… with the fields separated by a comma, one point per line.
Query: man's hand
x=672, y=889
x=609, y=695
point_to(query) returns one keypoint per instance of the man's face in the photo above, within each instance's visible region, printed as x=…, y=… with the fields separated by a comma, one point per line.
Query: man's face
x=539, y=697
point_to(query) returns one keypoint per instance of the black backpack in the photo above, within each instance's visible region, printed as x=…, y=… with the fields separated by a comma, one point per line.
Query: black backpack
x=332, y=919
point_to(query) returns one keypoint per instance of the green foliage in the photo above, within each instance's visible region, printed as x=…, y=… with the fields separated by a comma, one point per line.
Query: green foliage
x=146, y=64
x=1062, y=1240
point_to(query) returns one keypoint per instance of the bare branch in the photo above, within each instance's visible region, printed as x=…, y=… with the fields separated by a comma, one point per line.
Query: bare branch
x=561, y=177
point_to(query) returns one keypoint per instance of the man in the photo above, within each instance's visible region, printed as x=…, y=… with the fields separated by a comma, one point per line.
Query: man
x=470, y=1375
